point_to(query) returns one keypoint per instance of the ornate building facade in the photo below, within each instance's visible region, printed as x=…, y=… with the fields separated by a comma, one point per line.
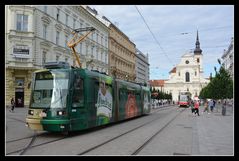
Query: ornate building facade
x=228, y=58
x=122, y=51
x=38, y=34
x=122, y=57
x=186, y=76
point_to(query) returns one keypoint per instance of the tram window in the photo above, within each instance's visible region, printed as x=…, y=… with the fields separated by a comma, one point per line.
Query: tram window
x=78, y=95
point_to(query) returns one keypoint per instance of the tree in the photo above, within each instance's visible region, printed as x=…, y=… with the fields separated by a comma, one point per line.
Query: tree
x=220, y=87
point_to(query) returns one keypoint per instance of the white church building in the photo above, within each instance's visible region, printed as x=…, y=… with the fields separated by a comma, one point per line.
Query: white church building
x=187, y=75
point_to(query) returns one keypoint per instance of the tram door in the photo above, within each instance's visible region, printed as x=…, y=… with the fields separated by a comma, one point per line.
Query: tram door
x=19, y=97
x=77, y=108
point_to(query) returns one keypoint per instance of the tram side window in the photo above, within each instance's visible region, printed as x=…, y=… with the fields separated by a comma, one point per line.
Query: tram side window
x=78, y=93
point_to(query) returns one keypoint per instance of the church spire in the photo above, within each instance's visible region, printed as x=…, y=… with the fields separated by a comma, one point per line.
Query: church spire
x=197, y=50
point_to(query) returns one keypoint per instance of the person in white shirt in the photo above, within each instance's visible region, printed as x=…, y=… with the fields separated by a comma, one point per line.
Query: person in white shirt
x=104, y=104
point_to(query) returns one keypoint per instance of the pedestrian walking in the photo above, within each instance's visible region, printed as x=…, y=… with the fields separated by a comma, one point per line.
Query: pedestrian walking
x=214, y=104
x=206, y=107
x=210, y=104
x=196, y=107
x=13, y=105
x=192, y=106
x=224, y=104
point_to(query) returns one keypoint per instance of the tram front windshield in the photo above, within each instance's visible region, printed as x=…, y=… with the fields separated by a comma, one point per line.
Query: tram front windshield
x=50, y=89
x=183, y=98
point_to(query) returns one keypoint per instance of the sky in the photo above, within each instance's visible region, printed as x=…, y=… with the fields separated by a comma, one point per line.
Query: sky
x=166, y=32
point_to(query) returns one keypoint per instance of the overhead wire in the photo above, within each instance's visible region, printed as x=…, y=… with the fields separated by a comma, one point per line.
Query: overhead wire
x=200, y=29
x=153, y=35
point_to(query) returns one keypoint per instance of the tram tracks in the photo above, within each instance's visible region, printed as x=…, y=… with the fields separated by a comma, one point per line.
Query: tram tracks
x=32, y=141
x=155, y=134
x=21, y=121
x=27, y=137
x=32, y=138
x=30, y=145
x=132, y=130
x=161, y=108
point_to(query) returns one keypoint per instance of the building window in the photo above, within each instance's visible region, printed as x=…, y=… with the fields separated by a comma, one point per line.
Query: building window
x=97, y=54
x=57, y=58
x=105, y=41
x=97, y=37
x=106, y=58
x=66, y=59
x=92, y=49
x=187, y=77
x=43, y=57
x=198, y=60
x=87, y=50
x=19, y=82
x=101, y=55
x=22, y=22
x=178, y=73
x=44, y=31
x=92, y=36
x=45, y=9
x=74, y=23
x=80, y=48
x=66, y=41
x=57, y=37
x=58, y=14
x=195, y=73
x=67, y=19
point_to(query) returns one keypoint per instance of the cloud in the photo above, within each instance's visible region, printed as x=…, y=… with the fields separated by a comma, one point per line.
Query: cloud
x=168, y=22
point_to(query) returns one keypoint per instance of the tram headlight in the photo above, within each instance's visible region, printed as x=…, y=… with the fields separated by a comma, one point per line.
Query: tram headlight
x=30, y=112
x=60, y=113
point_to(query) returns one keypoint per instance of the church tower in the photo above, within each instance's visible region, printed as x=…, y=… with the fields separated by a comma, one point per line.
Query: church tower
x=198, y=54
x=187, y=75
x=197, y=50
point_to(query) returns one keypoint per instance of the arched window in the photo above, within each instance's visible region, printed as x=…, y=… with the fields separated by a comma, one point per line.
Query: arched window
x=187, y=77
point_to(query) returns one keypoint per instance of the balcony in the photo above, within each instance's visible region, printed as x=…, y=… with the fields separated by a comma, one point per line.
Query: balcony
x=20, y=63
x=15, y=33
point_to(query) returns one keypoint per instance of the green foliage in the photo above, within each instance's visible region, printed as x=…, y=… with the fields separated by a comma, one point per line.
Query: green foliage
x=220, y=87
x=161, y=95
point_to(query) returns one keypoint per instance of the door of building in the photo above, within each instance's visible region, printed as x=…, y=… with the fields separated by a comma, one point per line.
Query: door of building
x=19, y=97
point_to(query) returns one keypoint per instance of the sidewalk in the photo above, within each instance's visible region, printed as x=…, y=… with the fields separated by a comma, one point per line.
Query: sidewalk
x=213, y=134
x=15, y=127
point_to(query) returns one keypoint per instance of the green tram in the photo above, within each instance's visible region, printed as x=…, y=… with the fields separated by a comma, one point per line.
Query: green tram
x=67, y=99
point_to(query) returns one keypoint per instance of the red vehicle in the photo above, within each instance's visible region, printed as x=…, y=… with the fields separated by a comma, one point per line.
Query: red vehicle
x=184, y=99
